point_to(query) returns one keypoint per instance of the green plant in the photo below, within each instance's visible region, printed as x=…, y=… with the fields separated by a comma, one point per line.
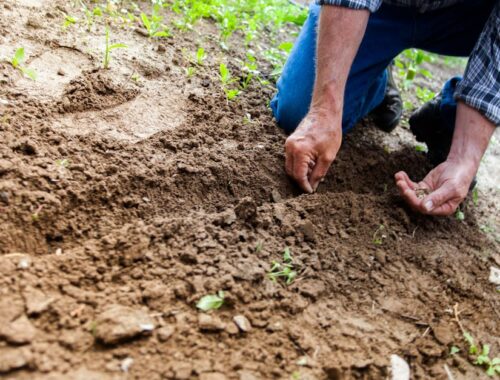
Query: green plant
x=154, y=24
x=200, y=56
x=475, y=196
x=227, y=79
x=68, y=21
x=379, y=235
x=17, y=63
x=459, y=215
x=420, y=148
x=483, y=356
x=109, y=48
x=211, y=301
x=284, y=270
x=190, y=71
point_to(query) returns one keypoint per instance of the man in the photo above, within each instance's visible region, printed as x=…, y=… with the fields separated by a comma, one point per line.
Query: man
x=336, y=74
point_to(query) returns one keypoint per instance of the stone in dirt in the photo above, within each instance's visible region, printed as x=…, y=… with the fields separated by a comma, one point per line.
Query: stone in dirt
x=210, y=323
x=165, y=332
x=494, y=276
x=213, y=376
x=20, y=331
x=119, y=323
x=14, y=358
x=400, y=370
x=36, y=301
x=242, y=322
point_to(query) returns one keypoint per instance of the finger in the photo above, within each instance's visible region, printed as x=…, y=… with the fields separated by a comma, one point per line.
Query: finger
x=319, y=172
x=445, y=209
x=411, y=198
x=402, y=176
x=432, y=203
x=288, y=162
x=300, y=170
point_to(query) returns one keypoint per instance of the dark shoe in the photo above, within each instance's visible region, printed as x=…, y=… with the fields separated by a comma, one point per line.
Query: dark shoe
x=387, y=115
x=429, y=127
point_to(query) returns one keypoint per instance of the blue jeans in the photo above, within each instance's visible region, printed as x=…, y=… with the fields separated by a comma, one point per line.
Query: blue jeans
x=449, y=31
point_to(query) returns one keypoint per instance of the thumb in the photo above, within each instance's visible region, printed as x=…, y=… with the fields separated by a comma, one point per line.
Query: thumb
x=438, y=197
x=319, y=171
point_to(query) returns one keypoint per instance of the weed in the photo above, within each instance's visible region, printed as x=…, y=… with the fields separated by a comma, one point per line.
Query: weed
x=109, y=48
x=154, y=24
x=459, y=215
x=284, y=270
x=211, y=301
x=17, y=63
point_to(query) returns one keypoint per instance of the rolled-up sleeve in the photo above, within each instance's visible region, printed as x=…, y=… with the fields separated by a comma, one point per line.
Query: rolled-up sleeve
x=480, y=87
x=371, y=5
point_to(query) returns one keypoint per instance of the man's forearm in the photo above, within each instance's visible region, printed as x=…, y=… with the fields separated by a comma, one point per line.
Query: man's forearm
x=339, y=36
x=472, y=134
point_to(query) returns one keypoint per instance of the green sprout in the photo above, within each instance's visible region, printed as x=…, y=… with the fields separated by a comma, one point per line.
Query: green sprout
x=190, y=71
x=17, y=63
x=109, y=48
x=200, y=56
x=483, y=359
x=227, y=79
x=68, y=21
x=284, y=270
x=211, y=301
x=459, y=215
x=379, y=235
x=154, y=24
x=475, y=196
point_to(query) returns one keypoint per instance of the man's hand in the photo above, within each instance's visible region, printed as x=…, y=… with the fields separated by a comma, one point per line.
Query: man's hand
x=441, y=191
x=311, y=149
x=447, y=185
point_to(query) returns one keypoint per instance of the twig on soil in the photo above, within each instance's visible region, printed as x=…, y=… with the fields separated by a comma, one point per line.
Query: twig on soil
x=413, y=233
x=426, y=331
x=456, y=313
x=448, y=372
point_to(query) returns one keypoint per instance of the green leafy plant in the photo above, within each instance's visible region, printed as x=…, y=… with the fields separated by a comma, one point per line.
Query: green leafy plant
x=154, y=24
x=17, y=62
x=211, y=301
x=190, y=71
x=379, y=235
x=227, y=79
x=68, y=21
x=200, y=56
x=483, y=359
x=475, y=196
x=459, y=215
x=284, y=270
x=110, y=47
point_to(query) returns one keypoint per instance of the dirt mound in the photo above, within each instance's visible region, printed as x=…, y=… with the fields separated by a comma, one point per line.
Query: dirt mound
x=94, y=214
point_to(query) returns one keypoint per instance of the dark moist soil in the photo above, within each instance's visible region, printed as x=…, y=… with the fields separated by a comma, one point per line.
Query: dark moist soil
x=123, y=202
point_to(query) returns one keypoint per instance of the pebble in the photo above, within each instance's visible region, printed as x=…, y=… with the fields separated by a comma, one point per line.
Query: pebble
x=126, y=364
x=36, y=301
x=14, y=358
x=210, y=323
x=243, y=323
x=165, y=332
x=118, y=323
x=20, y=331
x=494, y=276
x=400, y=370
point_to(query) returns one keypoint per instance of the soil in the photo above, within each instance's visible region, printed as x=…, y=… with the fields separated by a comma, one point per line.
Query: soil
x=123, y=202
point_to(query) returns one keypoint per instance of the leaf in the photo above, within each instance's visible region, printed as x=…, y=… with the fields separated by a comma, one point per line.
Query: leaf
x=18, y=57
x=117, y=46
x=211, y=302
x=30, y=73
x=145, y=21
x=224, y=73
x=475, y=196
x=454, y=350
x=286, y=46
x=287, y=256
x=162, y=33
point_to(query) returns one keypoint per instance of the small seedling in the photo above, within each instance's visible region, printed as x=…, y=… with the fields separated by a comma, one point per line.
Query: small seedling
x=454, y=350
x=483, y=356
x=109, y=48
x=200, y=56
x=459, y=215
x=475, y=196
x=35, y=217
x=226, y=79
x=154, y=24
x=379, y=235
x=284, y=269
x=68, y=21
x=211, y=301
x=17, y=63
x=421, y=148
x=258, y=247
x=64, y=163
x=190, y=71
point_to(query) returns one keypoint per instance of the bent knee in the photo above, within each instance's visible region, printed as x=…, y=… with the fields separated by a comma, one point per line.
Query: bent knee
x=287, y=112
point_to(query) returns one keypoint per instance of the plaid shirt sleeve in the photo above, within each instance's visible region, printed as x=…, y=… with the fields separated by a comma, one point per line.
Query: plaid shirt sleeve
x=480, y=87
x=371, y=5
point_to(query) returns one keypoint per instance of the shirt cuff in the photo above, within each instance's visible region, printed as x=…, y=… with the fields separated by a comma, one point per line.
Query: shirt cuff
x=371, y=5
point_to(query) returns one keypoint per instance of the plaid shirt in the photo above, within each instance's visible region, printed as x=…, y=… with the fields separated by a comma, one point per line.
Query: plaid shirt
x=480, y=87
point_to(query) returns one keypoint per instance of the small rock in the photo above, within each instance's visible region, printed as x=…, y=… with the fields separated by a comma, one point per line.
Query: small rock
x=226, y=218
x=165, y=332
x=24, y=263
x=61, y=72
x=243, y=323
x=276, y=196
x=232, y=329
x=307, y=229
x=4, y=197
x=36, y=301
x=380, y=255
x=210, y=323
x=494, y=276
x=20, y=331
x=246, y=209
x=400, y=370
x=118, y=323
x=126, y=364
x=14, y=358
x=212, y=376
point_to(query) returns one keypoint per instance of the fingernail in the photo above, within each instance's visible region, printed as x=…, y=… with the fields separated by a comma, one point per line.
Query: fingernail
x=429, y=205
